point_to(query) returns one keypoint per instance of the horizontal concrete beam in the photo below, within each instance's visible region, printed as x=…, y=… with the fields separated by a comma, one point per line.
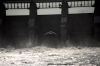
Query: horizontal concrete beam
x=43, y=0
x=52, y=11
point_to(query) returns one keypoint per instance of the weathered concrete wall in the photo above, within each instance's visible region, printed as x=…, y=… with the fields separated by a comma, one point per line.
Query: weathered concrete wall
x=80, y=26
x=16, y=27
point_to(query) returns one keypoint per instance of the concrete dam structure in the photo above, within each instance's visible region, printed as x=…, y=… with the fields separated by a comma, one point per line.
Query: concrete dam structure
x=28, y=23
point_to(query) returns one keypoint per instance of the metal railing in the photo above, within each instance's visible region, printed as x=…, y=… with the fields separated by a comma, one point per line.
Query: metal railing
x=38, y=1
x=15, y=5
x=84, y=3
x=41, y=4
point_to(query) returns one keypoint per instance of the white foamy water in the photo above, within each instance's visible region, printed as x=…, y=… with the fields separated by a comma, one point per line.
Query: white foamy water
x=42, y=56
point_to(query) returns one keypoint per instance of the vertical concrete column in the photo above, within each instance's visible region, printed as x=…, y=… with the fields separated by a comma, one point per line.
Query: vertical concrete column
x=2, y=19
x=2, y=12
x=97, y=20
x=31, y=23
x=64, y=20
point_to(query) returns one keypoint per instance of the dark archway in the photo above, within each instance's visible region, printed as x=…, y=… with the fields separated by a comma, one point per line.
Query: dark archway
x=48, y=29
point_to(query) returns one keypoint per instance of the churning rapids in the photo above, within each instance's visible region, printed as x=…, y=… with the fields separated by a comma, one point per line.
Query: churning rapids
x=43, y=56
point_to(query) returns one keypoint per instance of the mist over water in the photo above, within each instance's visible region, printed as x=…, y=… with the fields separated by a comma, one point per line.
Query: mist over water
x=50, y=43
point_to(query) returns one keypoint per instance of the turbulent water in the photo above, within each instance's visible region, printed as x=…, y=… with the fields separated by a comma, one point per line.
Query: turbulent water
x=43, y=56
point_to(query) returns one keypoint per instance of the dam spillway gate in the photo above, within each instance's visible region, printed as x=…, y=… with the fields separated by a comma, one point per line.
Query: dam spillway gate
x=45, y=28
